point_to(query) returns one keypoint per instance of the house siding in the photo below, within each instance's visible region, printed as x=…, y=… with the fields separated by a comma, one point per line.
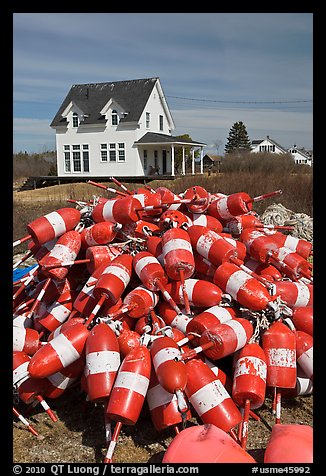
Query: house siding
x=267, y=146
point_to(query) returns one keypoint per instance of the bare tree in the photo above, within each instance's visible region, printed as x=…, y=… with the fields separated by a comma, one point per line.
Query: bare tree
x=217, y=144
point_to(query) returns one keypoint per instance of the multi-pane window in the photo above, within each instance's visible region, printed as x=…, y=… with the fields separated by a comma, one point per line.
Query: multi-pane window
x=161, y=122
x=112, y=153
x=114, y=118
x=67, y=158
x=85, y=158
x=145, y=159
x=75, y=159
x=148, y=119
x=75, y=120
x=121, y=152
x=104, y=153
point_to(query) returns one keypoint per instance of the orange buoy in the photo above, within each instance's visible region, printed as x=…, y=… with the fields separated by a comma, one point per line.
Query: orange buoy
x=205, y=444
x=290, y=444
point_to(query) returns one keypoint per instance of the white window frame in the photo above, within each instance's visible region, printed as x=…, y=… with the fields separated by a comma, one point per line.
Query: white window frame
x=148, y=120
x=104, y=153
x=121, y=152
x=85, y=158
x=145, y=159
x=66, y=158
x=74, y=117
x=114, y=118
x=112, y=152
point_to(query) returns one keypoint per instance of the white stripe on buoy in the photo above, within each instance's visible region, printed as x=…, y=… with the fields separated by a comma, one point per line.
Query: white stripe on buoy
x=65, y=350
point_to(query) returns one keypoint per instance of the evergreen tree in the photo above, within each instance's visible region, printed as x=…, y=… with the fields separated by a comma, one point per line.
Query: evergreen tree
x=238, y=138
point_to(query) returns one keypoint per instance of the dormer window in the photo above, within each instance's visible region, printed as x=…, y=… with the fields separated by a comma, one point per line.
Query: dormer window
x=75, y=120
x=114, y=118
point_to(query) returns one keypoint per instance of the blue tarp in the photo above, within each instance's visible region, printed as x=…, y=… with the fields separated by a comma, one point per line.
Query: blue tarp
x=18, y=273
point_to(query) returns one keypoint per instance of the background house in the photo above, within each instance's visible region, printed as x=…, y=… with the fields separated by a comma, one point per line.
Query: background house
x=267, y=145
x=120, y=129
x=300, y=156
x=211, y=161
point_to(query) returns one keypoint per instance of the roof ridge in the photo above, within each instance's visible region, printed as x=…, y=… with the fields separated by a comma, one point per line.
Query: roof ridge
x=114, y=82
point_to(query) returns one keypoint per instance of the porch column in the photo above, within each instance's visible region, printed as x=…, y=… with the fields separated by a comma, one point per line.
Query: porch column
x=183, y=161
x=201, y=160
x=172, y=160
x=193, y=161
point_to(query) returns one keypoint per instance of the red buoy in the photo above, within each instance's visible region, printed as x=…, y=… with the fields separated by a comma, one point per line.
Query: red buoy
x=208, y=396
x=290, y=444
x=303, y=319
x=66, y=249
x=128, y=393
x=304, y=352
x=99, y=234
x=60, y=352
x=171, y=374
x=244, y=288
x=200, y=293
x=295, y=294
x=163, y=406
x=205, y=444
x=279, y=345
x=226, y=338
x=114, y=279
x=208, y=319
x=53, y=225
x=102, y=362
x=178, y=254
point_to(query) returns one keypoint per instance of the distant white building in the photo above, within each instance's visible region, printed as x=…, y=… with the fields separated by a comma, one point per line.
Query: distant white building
x=120, y=129
x=300, y=156
x=267, y=145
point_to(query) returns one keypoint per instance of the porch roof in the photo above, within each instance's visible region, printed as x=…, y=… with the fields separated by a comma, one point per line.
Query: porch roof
x=153, y=138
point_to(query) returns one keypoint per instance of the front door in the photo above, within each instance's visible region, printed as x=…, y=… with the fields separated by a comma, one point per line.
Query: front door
x=164, y=161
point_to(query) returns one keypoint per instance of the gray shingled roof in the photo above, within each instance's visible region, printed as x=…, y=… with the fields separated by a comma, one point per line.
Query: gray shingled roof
x=156, y=138
x=131, y=95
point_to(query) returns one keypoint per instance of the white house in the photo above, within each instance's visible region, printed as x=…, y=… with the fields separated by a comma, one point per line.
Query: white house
x=300, y=156
x=267, y=145
x=120, y=129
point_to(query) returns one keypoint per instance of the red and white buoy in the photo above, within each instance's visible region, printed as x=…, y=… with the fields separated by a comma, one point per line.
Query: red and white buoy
x=99, y=234
x=208, y=396
x=66, y=249
x=200, y=293
x=245, y=289
x=163, y=406
x=279, y=345
x=249, y=382
x=102, y=362
x=305, y=352
x=60, y=352
x=128, y=393
x=51, y=225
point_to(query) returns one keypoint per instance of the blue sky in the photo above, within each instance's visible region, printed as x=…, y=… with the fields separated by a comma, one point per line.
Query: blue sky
x=215, y=69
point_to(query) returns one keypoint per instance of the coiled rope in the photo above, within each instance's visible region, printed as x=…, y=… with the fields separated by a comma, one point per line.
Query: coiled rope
x=277, y=214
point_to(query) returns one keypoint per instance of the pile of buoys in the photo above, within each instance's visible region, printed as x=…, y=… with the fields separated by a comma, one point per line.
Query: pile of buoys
x=185, y=303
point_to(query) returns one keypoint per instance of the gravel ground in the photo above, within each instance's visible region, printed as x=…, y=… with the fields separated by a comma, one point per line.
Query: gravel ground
x=79, y=436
